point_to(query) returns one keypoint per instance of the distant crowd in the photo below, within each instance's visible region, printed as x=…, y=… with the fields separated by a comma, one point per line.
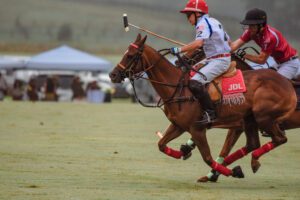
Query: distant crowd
x=50, y=90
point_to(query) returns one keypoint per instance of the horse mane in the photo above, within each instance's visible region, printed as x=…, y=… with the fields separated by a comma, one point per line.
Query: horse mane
x=164, y=59
x=161, y=56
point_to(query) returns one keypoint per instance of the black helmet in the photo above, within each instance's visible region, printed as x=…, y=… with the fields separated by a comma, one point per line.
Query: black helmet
x=255, y=17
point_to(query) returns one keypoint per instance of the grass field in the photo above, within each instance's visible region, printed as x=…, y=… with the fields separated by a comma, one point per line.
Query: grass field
x=84, y=151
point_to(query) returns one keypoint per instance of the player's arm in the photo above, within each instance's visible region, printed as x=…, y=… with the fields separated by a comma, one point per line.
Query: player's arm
x=191, y=47
x=259, y=59
x=236, y=44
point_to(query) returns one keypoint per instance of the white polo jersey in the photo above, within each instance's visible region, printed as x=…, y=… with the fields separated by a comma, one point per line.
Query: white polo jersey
x=214, y=36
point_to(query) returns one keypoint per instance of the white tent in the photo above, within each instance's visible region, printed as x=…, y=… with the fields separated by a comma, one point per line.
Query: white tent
x=11, y=63
x=67, y=58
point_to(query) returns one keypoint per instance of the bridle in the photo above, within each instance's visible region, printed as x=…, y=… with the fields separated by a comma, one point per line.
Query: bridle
x=141, y=58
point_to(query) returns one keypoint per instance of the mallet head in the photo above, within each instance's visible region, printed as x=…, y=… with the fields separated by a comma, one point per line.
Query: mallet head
x=159, y=134
x=125, y=21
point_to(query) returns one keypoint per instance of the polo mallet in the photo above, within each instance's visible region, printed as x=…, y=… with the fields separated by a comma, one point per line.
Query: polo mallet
x=126, y=26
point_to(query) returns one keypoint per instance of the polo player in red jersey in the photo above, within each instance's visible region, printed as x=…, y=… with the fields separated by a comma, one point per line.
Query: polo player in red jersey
x=271, y=42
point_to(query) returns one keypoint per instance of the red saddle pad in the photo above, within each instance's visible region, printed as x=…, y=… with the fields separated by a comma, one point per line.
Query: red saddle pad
x=234, y=84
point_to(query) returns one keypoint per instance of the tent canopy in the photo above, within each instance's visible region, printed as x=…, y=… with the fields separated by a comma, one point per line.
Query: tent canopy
x=10, y=63
x=67, y=58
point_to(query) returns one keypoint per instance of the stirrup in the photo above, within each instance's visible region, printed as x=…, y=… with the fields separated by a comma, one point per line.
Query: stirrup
x=207, y=118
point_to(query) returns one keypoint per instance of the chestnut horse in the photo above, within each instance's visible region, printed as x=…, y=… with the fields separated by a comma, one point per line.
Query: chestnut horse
x=266, y=104
x=234, y=133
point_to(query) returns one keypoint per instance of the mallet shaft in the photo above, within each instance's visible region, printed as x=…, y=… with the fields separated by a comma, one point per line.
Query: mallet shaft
x=157, y=35
x=126, y=26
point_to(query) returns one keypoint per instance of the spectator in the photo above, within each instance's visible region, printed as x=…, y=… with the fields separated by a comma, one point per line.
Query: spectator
x=31, y=90
x=17, y=90
x=94, y=93
x=10, y=78
x=78, y=92
x=3, y=87
x=50, y=89
x=107, y=96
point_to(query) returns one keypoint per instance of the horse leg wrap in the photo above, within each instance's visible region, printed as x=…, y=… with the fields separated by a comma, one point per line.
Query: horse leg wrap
x=262, y=150
x=173, y=153
x=214, y=173
x=236, y=155
x=220, y=168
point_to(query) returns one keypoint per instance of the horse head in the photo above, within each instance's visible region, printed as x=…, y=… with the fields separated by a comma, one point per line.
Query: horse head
x=132, y=62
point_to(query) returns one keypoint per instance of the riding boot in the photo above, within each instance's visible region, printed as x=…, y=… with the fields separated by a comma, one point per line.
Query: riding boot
x=200, y=92
x=209, y=115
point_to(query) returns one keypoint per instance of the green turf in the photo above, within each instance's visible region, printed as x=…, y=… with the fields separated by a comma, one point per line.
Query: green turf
x=84, y=151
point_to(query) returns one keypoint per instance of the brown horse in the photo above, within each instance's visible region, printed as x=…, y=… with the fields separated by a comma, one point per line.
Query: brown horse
x=267, y=103
x=234, y=133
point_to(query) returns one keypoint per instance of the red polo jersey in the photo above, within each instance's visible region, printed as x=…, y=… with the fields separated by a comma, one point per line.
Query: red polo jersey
x=272, y=42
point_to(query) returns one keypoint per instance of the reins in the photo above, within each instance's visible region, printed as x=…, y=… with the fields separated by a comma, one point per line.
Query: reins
x=178, y=87
x=257, y=52
x=140, y=76
x=140, y=57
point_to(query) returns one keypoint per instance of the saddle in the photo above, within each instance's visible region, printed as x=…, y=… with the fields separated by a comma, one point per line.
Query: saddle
x=228, y=87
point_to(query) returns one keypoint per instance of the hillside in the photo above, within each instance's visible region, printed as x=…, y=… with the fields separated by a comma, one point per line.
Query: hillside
x=96, y=25
x=92, y=24
x=89, y=24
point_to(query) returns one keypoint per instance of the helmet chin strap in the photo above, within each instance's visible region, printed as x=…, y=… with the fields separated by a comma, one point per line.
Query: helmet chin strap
x=260, y=27
x=196, y=18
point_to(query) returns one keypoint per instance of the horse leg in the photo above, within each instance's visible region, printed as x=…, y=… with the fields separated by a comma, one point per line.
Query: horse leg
x=232, y=136
x=278, y=138
x=252, y=141
x=171, y=133
x=201, y=141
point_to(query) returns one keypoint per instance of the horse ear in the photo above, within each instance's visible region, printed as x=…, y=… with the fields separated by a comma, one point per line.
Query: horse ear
x=138, y=38
x=144, y=39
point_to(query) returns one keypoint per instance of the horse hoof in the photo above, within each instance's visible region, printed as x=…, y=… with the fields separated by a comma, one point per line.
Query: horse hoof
x=214, y=178
x=255, y=165
x=203, y=179
x=237, y=172
x=185, y=157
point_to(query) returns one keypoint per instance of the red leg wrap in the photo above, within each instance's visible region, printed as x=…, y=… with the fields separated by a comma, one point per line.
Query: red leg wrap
x=235, y=156
x=220, y=168
x=173, y=153
x=263, y=149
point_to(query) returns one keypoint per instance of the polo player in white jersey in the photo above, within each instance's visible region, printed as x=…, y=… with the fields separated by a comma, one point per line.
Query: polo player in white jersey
x=211, y=36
